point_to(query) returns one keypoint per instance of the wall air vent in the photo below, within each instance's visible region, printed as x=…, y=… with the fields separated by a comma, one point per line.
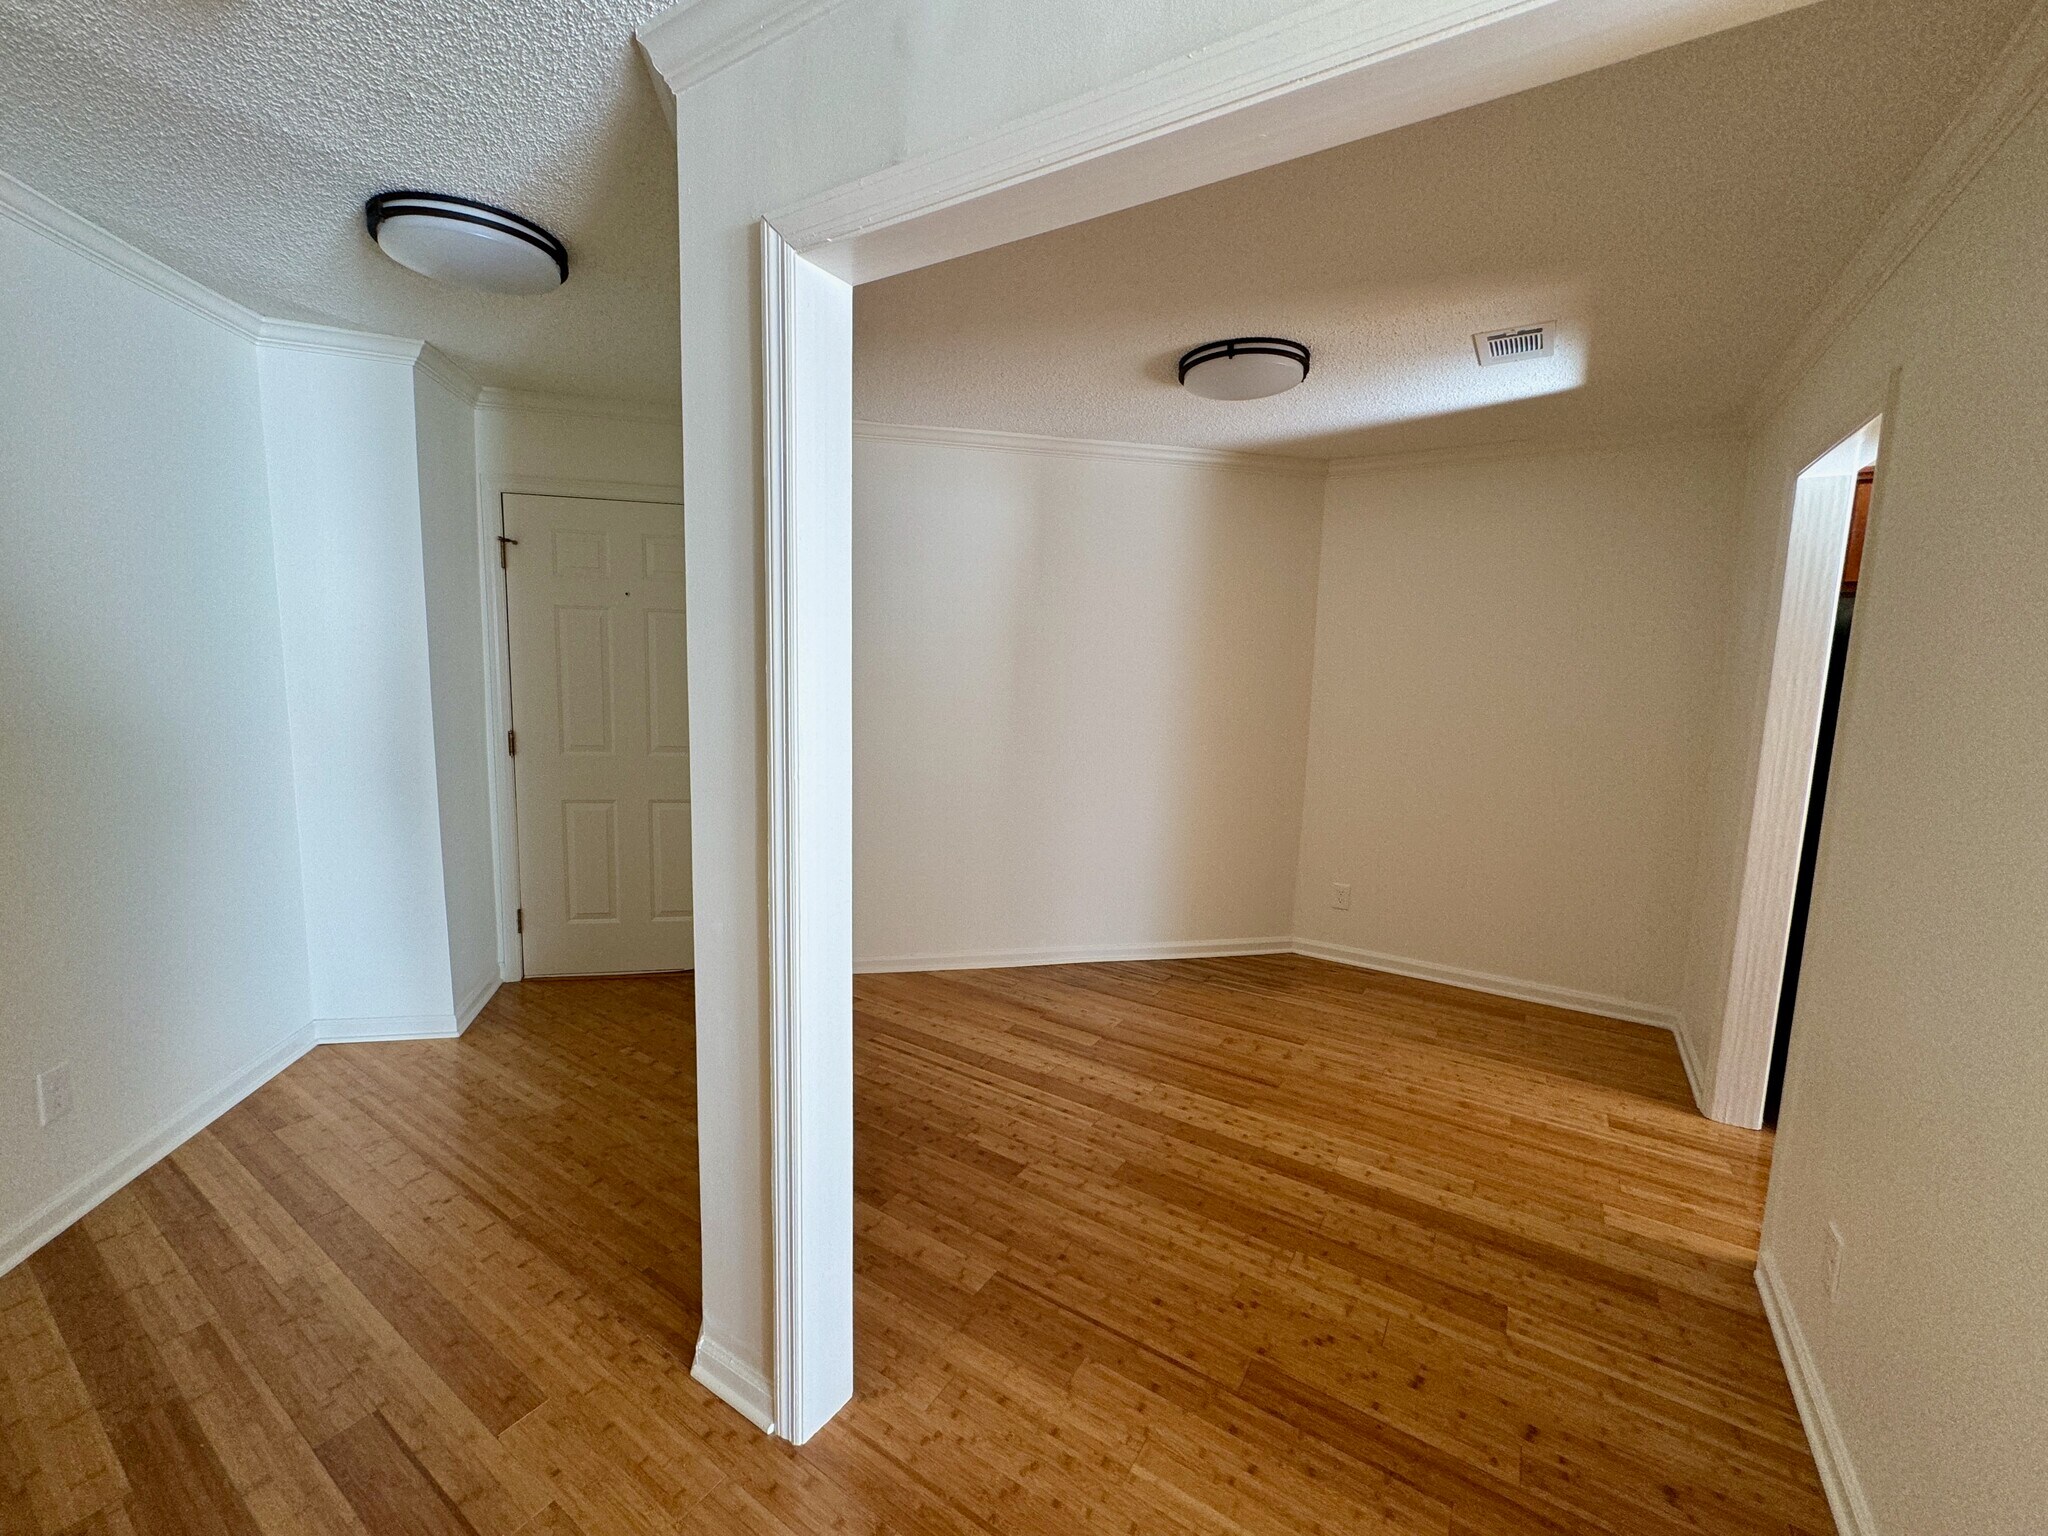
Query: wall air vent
x=1512, y=346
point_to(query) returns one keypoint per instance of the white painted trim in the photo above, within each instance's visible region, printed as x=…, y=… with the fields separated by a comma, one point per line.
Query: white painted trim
x=1831, y=1456
x=492, y=398
x=2014, y=86
x=1688, y=1057
x=1091, y=954
x=491, y=492
x=418, y=1026
x=450, y=375
x=1319, y=75
x=735, y=1382
x=298, y=336
x=696, y=39
x=30, y=208
x=1817, y=536
x=1549, y=996
x=471, y=1006
x=1086, y=448
x=1487, y=453
x=79, y=1197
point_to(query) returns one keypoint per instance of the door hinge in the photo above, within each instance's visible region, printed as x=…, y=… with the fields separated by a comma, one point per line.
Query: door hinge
x=503, y=544
x=519, y=920
x=511, y=743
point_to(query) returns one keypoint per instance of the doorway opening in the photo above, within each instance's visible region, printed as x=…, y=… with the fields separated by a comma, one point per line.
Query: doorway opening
x=1823, y=757
x=1831, y=501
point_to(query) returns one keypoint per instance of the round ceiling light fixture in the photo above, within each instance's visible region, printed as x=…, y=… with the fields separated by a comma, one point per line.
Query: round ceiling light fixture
x=457, y=240
x=1244, y=367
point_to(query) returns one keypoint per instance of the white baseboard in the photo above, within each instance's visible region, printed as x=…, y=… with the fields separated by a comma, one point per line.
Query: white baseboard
x=1823, y=1431
x=735, y=1382
x=419, y=1026
x=1095, y=954
x=1498, y=986
x=1694, y=1077
x=473, y=1005
x=74, y=1201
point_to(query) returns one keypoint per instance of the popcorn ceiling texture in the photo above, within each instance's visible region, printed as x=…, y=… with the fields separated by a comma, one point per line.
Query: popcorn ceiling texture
x=236, y=141
x=1681, y=214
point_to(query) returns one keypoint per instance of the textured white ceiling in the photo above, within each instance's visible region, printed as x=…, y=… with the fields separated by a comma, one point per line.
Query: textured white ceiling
x=1679, y=215
x=237, y=139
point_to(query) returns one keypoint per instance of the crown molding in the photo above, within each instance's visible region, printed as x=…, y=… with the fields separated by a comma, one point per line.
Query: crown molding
x=492, y=398
x=1540, y=448
x=449, y=374
x=693, y=41
x=1084, y=448
x=30, y=208
x=2012, y=90
x=302, y=336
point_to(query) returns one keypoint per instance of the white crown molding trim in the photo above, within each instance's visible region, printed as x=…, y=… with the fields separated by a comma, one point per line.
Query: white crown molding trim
x=449, y=374
x=2011, y=91
x=1498, y=986
x=423, y=1026
x=698, y=38
x=1089, y=954
x=1486, y=453
x=1085, y=448
x=81, y=1196
x=30, y=208
x=1831, y=1457
x=736, y=1383
x=303, y=336
x=491, y=398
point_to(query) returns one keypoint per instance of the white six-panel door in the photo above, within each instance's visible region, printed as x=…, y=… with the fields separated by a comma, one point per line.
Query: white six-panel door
x=600, y=716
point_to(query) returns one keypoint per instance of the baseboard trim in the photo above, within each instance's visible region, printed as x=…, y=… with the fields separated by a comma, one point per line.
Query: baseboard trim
x=473, y=1005
x=734, y=1382
x=1694, y=1077
x=82, y=1195
x=1095, y=954
x=422, y=1026
x=1498, y=986
x=1823, y=1431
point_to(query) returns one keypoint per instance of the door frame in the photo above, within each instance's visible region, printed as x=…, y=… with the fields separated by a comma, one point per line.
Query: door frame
x=497, y=617
x=1795, y=677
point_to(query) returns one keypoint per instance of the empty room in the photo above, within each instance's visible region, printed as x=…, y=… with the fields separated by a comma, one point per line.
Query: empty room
x=916, y=765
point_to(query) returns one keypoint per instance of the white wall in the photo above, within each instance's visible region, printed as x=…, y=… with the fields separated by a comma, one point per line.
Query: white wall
x=152, y=934
x=458, y=635
x=1080, y=702
x=345, y=507
x=1515, y=661
x=1913, y=1116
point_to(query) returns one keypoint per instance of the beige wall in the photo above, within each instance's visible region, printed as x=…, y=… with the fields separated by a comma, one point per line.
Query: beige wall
x=1080, y=702
x=1913, y=1115
x=1515, y=660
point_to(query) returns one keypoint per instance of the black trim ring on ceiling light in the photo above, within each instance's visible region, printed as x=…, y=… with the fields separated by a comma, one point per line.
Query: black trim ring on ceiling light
x=465, y=210
x=1271, y=346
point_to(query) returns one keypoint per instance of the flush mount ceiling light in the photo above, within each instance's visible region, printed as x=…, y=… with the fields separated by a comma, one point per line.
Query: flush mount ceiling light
x=1244, y=368
x=455, y=240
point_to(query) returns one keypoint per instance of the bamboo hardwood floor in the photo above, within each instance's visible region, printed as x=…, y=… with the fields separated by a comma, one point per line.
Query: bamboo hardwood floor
x=1214, y=1246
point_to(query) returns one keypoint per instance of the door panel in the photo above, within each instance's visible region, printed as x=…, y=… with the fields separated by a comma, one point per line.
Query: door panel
x=600, y=708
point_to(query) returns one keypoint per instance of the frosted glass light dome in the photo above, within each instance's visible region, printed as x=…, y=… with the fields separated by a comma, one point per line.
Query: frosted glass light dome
x=1244, y=367
x=455, y=240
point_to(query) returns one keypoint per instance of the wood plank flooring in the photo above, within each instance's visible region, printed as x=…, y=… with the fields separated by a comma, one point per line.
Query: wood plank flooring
x=1227, y=1246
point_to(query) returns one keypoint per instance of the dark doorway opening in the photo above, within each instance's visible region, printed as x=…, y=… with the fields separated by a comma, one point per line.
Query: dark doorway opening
x=1823, y=756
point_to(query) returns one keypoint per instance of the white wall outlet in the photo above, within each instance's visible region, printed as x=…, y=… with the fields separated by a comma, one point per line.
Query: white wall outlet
x=1835, y=1246
x=1340, y=896
x=53, y=1093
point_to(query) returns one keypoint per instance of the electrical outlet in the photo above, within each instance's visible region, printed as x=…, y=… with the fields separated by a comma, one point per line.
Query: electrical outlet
x=1340, y=896
x=1835, y=1246
x=53, y=1093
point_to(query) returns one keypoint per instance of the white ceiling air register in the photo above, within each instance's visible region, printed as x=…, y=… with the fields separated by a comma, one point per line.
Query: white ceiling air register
x=1244, y=367
x=1512, y=345
x=457, y=240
